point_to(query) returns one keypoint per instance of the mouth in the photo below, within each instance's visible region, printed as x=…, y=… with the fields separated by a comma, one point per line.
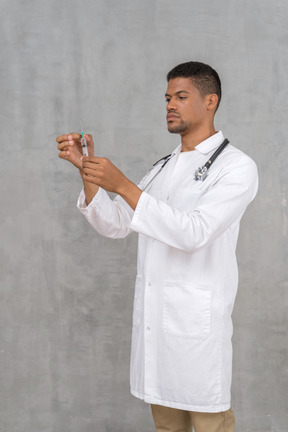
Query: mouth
x=171, y=117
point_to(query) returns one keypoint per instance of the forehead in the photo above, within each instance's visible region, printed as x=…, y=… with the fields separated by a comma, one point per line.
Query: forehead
x=177, y=85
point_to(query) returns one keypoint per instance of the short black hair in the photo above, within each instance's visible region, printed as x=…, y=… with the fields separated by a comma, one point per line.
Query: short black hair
x=203, y=76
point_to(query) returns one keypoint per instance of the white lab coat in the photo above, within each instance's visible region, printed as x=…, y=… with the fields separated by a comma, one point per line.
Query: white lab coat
x=181, y=354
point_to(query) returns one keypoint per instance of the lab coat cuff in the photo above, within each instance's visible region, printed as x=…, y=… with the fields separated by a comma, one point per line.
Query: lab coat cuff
x=81, y=203
x=139, y=211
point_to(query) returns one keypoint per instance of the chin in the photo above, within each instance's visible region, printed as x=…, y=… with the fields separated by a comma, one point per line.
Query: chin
x=175, y=129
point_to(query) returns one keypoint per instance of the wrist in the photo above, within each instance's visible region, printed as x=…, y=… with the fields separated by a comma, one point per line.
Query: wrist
x=124, y=186
x=130, y=193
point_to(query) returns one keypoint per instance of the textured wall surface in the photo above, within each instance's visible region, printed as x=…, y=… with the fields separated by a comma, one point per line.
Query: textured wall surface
x=66, y=293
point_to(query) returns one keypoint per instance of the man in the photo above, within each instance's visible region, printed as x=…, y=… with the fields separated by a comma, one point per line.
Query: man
x=188, y=225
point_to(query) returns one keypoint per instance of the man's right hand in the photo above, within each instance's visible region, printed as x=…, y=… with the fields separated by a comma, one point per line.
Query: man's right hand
x=71, y=150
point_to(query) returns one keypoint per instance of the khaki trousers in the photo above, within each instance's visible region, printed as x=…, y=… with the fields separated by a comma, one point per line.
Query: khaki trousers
x=175, y=420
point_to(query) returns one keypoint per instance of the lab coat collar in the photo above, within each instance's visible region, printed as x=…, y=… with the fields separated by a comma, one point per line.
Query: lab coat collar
x=206, y=146
x=210, y=143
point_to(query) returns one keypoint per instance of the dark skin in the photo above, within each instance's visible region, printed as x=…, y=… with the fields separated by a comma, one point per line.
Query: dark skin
x=189, y=114
x=96, y=171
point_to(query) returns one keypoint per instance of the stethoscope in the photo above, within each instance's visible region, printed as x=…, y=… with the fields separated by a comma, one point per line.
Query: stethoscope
x=200, y=174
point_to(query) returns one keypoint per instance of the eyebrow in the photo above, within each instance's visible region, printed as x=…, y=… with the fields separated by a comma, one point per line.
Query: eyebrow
x=177, y=93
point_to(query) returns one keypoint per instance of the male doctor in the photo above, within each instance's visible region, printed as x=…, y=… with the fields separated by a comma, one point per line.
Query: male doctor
x=181, y=355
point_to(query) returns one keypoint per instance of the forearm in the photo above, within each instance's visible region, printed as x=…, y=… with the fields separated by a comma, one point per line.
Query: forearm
x=90, y=189
x=130, y=193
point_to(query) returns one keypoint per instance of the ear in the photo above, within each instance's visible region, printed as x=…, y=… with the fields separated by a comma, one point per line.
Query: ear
x=211, y=102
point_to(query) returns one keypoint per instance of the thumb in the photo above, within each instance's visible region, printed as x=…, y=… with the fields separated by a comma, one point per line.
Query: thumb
x=90, y=144
x=89, y=137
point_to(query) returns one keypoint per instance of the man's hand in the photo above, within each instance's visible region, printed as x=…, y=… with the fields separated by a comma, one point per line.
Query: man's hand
x=101, y=172
x=71, y=150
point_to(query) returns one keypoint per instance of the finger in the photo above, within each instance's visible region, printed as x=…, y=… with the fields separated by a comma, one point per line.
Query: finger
x=64, y=155
x=62, y=138
x=65, y=145
x=73, y=135
x=65, y=141
x=68, y=137
x=91, y=172
x=91, y=179
x=90, y=166
x=95, y=159
x=89, y=163
x=89, y=137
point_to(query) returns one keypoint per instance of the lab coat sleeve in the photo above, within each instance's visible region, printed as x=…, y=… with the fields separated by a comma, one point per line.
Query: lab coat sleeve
x=110, y=218
x=216, y=210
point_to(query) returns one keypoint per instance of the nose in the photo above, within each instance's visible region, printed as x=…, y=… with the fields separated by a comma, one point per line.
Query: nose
x=171, y=105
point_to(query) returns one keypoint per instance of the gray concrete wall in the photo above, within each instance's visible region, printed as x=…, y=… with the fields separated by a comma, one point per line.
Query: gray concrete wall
x=66, y=293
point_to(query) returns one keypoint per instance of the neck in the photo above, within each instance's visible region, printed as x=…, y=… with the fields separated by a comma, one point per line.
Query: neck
x=190, y=141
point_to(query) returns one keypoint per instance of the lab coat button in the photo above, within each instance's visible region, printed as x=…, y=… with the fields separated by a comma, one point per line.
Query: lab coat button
x=148, y=328
x=149, y=284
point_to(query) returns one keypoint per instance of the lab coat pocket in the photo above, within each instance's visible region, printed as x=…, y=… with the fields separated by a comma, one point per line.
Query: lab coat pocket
x=137, y=301
x=187, y=310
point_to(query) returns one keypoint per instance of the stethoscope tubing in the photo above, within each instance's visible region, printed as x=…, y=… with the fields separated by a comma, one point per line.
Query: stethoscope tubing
x=200, y=174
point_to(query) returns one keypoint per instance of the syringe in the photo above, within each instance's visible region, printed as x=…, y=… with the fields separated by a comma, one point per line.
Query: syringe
x=83, y=142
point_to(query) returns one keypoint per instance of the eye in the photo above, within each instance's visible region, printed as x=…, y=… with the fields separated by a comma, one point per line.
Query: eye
x=182, y=97
x=167, y=99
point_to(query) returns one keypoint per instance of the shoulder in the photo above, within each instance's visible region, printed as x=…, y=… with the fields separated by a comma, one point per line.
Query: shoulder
x=234, y=166
x=234, y=157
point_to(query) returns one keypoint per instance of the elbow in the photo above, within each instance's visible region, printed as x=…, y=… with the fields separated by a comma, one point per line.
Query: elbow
x=196, y=236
